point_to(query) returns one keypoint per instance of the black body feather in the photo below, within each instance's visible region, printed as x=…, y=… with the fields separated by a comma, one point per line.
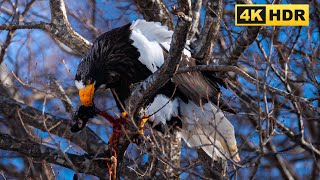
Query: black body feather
x=114, y=61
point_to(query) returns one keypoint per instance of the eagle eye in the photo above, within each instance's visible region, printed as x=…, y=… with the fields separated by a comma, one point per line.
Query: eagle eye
x=89, y=81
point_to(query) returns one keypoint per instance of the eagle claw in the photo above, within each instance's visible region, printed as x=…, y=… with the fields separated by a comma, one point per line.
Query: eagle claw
x=138, y=139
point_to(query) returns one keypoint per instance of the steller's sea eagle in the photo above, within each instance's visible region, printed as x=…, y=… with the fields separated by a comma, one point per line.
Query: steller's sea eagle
x=128, y=55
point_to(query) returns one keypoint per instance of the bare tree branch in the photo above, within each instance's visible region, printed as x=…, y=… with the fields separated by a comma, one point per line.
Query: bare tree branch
x=155, y=10
x=285, y=169
x=210, y=30
x=288, y=132
x=42, y=152
x=196, y=7
x=86, y=139
x=59, y=91
x=154, y=82
x=213, y=67
x=26, y=25
x=60, y=29
x=150, y=86
x=245, y=39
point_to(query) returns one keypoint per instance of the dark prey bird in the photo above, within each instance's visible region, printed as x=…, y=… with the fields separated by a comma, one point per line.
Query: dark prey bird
x=128, y=55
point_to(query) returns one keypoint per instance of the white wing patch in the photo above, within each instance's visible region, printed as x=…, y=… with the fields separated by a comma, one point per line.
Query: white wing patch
x=153, y=31
x=79, y=84
x=164, y=109
x=151, y=53
x=147, y=37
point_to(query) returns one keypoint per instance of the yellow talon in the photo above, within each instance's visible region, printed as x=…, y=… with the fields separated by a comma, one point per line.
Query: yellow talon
x=141, y=124
x=124, y=115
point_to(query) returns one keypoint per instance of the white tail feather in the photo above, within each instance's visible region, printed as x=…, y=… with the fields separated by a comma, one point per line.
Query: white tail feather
x=208, y=128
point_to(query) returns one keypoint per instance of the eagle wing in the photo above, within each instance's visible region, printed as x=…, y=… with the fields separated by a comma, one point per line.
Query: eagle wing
x=198, y=86
x=203, y=123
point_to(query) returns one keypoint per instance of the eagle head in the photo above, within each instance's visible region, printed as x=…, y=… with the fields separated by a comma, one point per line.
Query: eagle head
x=111, y=61
x=90, y=76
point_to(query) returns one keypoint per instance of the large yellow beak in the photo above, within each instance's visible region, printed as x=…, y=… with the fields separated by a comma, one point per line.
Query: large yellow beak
x=86, y=95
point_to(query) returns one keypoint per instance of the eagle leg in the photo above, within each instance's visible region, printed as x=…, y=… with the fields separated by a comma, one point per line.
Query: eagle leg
x=116, y=124
x=141, y=125
x=82, y=116
x=138, y=137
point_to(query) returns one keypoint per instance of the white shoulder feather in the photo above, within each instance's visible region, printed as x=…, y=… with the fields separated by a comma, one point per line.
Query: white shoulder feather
x=153, y=31
x=147, y=37
x=150, y=38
